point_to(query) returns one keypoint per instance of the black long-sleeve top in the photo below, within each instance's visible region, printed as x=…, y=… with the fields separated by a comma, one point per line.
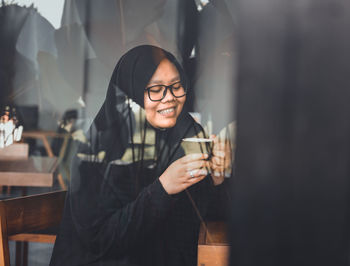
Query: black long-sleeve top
x=152, y=229
x=116, y=219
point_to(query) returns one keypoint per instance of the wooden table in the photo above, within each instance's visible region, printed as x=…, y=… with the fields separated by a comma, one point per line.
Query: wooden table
x=16, y=151
x=33, y=172
x=213, y=244
x=43, y=135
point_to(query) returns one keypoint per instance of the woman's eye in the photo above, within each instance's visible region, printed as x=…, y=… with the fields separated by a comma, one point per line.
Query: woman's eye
x=177, y=86
x=156, y=89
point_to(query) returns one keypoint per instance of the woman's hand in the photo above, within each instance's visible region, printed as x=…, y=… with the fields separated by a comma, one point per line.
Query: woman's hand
x=220, y=161
x=184, y=172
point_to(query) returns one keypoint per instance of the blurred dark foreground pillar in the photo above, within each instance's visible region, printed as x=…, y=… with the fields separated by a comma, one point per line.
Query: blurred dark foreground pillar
x=291, y=192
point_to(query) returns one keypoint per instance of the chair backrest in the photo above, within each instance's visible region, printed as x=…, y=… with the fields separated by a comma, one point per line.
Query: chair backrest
x=213, y=244
x=26, y=214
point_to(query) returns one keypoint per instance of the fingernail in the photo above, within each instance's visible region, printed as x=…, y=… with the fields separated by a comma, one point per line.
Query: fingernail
x=203, y=172
x=217, y=174
x=205, y=155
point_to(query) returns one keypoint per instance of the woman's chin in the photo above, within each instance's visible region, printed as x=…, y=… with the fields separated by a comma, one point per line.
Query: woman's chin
x=166, y=123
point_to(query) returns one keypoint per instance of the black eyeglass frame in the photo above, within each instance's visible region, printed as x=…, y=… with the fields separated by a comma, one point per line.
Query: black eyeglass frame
x=170, y=87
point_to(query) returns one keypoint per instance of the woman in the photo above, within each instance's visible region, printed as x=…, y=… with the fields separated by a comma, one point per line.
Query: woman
x=135, y=198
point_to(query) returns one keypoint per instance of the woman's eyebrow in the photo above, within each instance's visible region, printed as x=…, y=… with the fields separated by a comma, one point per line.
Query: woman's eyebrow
x=160, y=82
x=175, y=79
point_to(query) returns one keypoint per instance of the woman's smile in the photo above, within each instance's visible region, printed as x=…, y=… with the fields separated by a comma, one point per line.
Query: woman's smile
x=167, y=112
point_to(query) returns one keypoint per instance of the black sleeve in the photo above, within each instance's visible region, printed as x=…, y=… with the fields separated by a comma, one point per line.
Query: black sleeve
x=219, y=199
x=111, y=221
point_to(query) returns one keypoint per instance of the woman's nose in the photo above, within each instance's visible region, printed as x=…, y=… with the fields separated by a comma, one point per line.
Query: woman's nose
x=168, y=96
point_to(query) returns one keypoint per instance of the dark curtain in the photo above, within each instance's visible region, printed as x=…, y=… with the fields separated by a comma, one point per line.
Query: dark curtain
x=291, y=193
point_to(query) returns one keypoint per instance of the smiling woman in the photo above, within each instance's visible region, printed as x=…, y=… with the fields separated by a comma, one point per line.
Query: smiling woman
x=135, y=197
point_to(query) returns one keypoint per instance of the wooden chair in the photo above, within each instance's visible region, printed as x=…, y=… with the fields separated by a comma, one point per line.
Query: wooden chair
x=20, y=216
x=213, y=244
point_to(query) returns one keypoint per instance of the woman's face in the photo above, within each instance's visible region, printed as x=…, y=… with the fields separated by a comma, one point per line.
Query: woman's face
x=164, y=113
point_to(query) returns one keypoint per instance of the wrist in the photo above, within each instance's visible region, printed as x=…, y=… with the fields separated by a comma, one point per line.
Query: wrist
x=164, y=184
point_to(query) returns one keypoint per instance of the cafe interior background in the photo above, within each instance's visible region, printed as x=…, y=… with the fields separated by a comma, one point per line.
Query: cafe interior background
x=273, y=72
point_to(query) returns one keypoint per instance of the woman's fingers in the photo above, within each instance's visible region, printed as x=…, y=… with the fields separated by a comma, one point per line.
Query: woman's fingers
x=197, y=165
x=191, y=181
x=194, y=157
x=218, y=160
x=195, y=173
x=219, y=153
x=176, y=177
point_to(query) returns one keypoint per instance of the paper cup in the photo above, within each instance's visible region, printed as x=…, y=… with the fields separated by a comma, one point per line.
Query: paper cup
x=196, y=145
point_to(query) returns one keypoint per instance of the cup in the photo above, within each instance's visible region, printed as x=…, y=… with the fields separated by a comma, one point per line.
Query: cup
x=197, y=145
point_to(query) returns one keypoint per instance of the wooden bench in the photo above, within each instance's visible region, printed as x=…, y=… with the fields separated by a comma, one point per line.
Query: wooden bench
x=20, y=216
x=213, y=244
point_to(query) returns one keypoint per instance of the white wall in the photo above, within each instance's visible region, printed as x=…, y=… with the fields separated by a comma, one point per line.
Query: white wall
x=49, y=9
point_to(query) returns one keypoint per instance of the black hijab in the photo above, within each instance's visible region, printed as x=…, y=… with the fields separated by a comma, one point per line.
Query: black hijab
x=130, y=77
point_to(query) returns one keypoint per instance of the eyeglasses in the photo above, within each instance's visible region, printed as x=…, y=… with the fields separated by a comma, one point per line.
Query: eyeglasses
x=157, y=92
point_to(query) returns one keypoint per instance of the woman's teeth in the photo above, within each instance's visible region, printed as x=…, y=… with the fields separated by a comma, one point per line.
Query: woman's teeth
x=166, y=111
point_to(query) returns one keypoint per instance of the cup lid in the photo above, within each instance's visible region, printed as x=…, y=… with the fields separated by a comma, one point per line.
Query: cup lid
x=197, y=140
